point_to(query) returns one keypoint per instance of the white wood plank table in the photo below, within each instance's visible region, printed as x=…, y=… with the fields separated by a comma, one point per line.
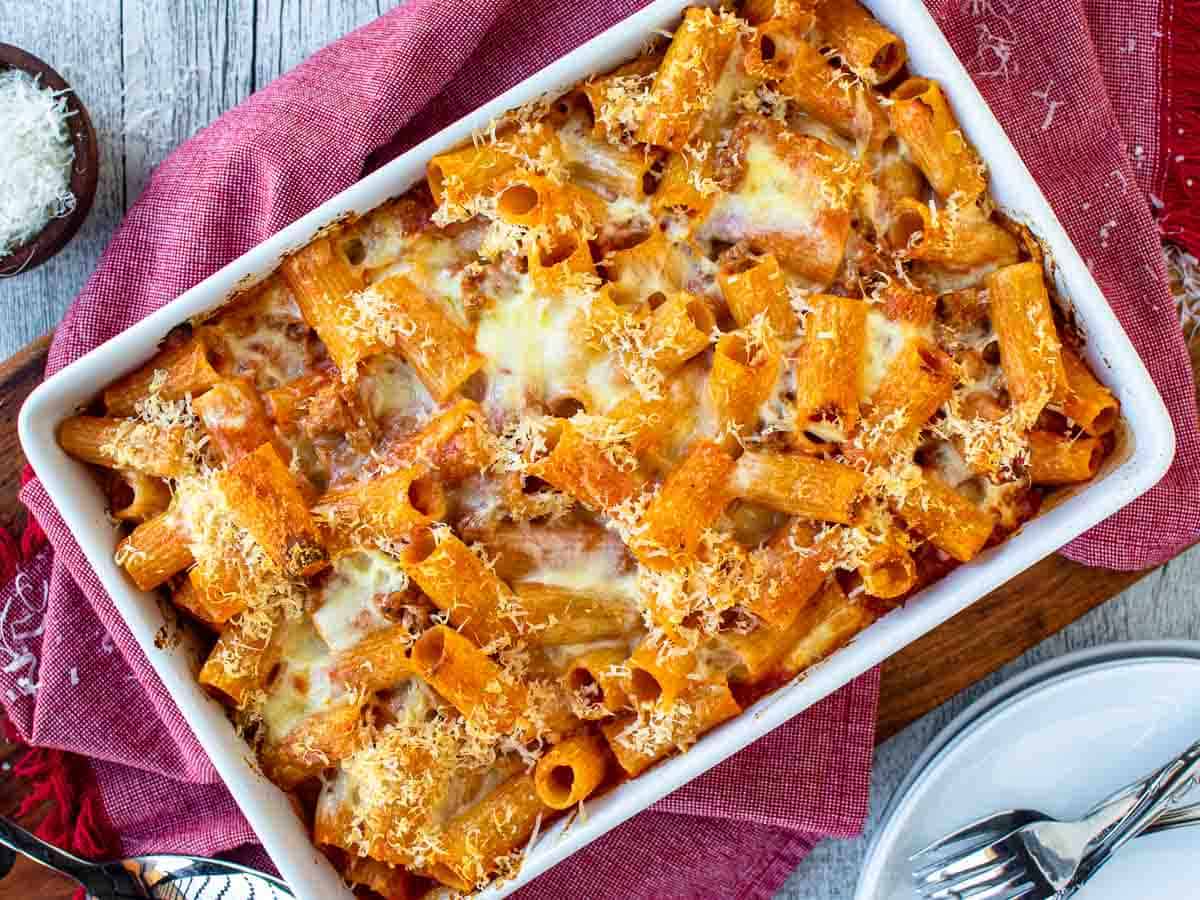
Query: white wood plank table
x=152, y=72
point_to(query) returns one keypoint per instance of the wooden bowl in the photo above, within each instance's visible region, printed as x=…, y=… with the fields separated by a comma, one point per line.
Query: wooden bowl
x=84, y=172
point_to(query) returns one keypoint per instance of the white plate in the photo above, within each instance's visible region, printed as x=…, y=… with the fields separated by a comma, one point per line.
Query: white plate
x=1057, y=739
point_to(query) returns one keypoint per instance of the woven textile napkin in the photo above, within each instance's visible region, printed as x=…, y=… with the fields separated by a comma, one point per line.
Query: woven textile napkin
x=1082, y=108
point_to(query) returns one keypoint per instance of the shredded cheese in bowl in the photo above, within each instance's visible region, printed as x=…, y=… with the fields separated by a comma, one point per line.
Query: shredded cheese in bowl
x=35, y=158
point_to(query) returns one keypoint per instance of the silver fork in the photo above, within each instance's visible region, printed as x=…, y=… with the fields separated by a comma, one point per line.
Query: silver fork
x=1042, y=858
x=159, y=877
x=986, y=830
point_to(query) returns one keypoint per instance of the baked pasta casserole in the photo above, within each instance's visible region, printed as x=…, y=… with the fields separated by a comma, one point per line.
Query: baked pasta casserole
x=645, y=401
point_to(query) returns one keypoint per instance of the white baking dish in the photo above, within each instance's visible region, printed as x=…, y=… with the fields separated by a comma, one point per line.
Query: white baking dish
x=1142, y=458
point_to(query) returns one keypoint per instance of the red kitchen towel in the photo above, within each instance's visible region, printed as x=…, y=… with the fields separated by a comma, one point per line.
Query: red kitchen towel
x=1076, y=82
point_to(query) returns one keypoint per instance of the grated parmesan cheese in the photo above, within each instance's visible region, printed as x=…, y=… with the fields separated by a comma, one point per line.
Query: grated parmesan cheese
x=35, y=158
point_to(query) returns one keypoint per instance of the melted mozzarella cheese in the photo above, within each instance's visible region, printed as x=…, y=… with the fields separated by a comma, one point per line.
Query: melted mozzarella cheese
x=349, y=611
x=435, y=264
x=773, y=197
x=267, y=343
x=536, y=352
x=392, y=390
x=589, y=572
x=303, y=685
x=885, y=339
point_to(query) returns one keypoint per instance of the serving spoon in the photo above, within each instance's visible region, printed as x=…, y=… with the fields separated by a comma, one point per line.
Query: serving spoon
x=158, y=877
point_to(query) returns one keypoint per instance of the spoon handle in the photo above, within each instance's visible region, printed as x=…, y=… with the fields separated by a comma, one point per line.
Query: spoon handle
x=14, y=837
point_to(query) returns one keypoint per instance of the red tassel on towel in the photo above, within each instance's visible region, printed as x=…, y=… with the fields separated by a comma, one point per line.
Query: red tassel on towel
x=62, y=789
x=1180, y=216
x=64, y=792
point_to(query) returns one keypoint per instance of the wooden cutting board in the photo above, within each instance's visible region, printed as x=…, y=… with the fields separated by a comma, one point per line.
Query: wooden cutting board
x=992, y=632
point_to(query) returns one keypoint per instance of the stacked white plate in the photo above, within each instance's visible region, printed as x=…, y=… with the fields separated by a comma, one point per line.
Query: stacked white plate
x=1058, y=738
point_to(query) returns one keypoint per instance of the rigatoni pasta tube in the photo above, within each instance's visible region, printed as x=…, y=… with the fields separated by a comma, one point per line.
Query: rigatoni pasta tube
x=235, y=418
x=155, y=550
x=922, y=118
x=952, y=523
x=677, y=189
x=679, y=329
x=474, y=840
x=185, y=370
x=557, y=615
x=289, y=403
x=454, y=443
x=797, y=14
x=1088, y=403
x=826, y=625
x=903, y=303
x=389, y=882
x=211, y=594
x=323, y=284
x=757, y=285
x=460, y=176
x=760, y=652
x=266, y=500
x=219, y=584
x=896, y=180
x=241, y=660
x=650, y=266
x=648, y=423
x=377, y=662
x=137, y=497
x=462, y=585
x=694, y=494
x=889, y=570
x=571, y=770
x=659, y=670
x=868, y=49
x=125, y=444
x=798, y=484
x=524, y=198
x=793, y=568
x=313, y=745
x=384, y=508
x=1057, y=459
x=829, y=373
x=1030, y=349
x=605, y=97
x=558, y=260
x=917, y=382
x=807, y=78
x=639, y=741
x=742, y=377
x=957, y=241
x=596, y=682
x=440, y=350
x=686, y=78
x=464, y=675
x=580, y=468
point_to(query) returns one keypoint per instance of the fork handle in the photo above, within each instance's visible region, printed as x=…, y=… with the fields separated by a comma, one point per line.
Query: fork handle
x=14, y=837
x=1163, y=789
x=1167, y=785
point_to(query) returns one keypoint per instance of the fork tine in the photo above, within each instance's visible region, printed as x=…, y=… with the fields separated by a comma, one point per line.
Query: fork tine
x=978, y=858
x=954, y=888
x=988, y=827
x=926, y=862
x=1013, y=889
